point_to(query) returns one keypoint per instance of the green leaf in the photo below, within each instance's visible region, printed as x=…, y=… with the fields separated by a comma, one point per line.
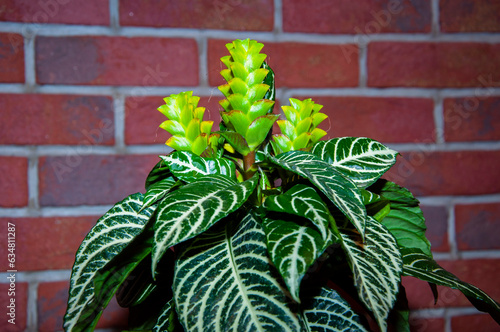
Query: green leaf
x=188, y=166
x=157, y=191
x=369, y=197
x=340, y=190
x=236, y=141
x=405, y=219
x=107, y=238
x=224, y=281
x=269, y=80
x=303, y=201
x=419, y=265
x=377, y=267
x=113, y=276
x=328, y=311
x=362, y=160
x=192, y=209
x=159, y=172
x=294, y=248
x=258, y=130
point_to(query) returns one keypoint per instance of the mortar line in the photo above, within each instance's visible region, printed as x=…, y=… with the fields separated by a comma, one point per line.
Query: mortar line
x=397, y=92
x=33, y=182
x=435, y=28
x=452, y=238
x=203, y=62
x=438, y=118
x=32, y=313
x=363, y=66
x=119, y=123
x=114, y=15
x=61, y=30
x=278, y=17
x=29, y=61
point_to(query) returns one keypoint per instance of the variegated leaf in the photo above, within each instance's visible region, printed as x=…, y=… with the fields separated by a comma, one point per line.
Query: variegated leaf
x=160, y=171
x=157, y=191
x=340, y=190
x=225, y=282
x=188, y=166
x=303, y=201
x=361, y=159
x=421, y=266
x=328, y=311
x=166, y=321
x=108, y=238
x=192, y=209
x=294, y=248
x=376, y=266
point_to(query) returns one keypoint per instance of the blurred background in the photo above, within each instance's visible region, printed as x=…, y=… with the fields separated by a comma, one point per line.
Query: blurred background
x=80, y=82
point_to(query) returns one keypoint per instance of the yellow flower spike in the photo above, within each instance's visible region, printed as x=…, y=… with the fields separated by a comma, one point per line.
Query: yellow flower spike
x=298, y=131
x=185, y=124
x=246, y=112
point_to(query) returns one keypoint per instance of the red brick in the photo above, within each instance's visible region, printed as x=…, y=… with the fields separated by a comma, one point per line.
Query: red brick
x=482, y=273
x=249, y=15
x=92, y=179
x=427, y=172
x=142, y=119
x=51, y=306
x=56, y=119
x=471, y=119
x=384, y=119
x=145, y=61
x=426, y=64
x=93, y=12
x=436, y=220
x=479, y=322
x=14, y=180
x=426, y=324
x=297, y=64
x=65, y=234
x=477, y=226
x=420, y=296
x=11, y=58
x=356, y=17
x=469, y=15
x=21, y=305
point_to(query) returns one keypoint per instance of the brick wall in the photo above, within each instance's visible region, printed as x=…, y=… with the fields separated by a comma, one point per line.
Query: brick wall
x=80, y=82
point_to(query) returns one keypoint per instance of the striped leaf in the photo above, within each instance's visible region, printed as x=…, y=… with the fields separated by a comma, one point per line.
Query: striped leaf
x=329, y=312
x=340, y=190
x=158, y=190
x=405, y=219
x=159, y=172
x=188, y=166
x=192, y=209
x=108, y=238
x=166, y=321
x=361, y=159
x=419, y=265
x=294, y=248
x=376, y=266
x=224, y=281
x=305, y=202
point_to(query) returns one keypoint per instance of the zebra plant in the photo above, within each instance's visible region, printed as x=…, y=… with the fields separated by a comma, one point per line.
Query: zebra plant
x=242, y=230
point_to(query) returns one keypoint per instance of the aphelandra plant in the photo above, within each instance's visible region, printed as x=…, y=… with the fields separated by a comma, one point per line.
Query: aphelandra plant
x=242, y=230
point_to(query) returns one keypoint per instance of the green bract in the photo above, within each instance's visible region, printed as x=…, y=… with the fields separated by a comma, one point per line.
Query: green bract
x=299, y=131
x=185, y=123
x=244, y=231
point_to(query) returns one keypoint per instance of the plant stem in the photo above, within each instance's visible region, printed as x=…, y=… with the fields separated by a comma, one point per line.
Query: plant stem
x=249, y=168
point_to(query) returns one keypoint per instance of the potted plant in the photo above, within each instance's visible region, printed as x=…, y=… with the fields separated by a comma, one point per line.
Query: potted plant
x=243, y=230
